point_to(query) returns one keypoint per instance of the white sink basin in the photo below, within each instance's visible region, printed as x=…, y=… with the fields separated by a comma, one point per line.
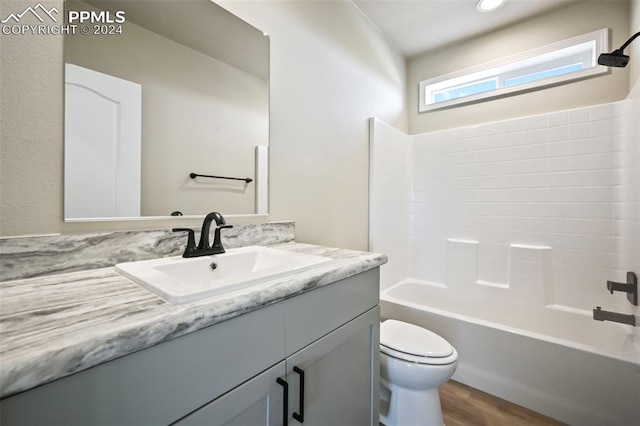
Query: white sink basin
x=181, y=280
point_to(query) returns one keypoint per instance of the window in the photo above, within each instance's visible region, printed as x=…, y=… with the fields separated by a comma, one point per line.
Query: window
x=561, y=62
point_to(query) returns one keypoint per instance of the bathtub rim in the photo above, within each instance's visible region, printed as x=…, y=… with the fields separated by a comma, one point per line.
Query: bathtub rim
x=633, y=358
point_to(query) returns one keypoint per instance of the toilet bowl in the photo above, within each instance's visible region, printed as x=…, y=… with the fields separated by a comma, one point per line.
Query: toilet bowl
x=413, y=363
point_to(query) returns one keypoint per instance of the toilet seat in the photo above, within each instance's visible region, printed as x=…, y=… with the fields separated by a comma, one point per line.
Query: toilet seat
x=415, y=344
x=423, y=360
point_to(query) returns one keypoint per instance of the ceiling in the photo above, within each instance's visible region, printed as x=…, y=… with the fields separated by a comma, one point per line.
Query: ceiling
x=416, y=26
x=240, y=45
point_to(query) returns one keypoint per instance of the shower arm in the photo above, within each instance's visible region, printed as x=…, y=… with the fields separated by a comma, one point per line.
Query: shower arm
x=628, y=42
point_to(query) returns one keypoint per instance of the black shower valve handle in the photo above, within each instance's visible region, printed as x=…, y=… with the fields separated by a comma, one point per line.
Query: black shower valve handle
x=630, y=287
x=613, y=286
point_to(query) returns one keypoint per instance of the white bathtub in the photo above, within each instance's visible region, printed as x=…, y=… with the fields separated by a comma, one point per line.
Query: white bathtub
x=555, y=361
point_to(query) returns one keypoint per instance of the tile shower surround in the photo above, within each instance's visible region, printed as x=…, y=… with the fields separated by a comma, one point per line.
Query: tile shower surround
x=566, y=180
x=27, y=257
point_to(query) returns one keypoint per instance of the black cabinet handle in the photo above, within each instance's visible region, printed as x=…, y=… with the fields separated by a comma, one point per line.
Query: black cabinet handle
x=285, y=400
x=299, y=416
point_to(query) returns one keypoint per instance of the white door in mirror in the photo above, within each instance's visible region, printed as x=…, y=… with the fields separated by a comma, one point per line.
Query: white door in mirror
x=102, y=143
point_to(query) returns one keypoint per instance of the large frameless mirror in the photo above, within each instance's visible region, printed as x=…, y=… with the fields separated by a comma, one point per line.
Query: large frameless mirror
x=166, y=111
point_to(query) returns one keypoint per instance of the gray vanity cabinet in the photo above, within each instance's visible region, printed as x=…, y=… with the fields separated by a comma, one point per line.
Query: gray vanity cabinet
x=340, y=369
x=161, y=384
x=227, y=374
x=340, y=376
x=256, y=402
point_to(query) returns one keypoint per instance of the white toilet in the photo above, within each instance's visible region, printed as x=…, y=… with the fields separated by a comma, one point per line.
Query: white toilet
x=413, y=363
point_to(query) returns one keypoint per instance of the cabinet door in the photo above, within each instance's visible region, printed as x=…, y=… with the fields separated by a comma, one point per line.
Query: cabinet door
x=256, y=402
x=341, y=377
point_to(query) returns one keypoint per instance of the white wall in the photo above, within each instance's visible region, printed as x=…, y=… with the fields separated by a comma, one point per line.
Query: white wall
x=570, y=21
x=568, y=180
x=634, y=52
x=626, y=194
x=330, y=71
x=390, y=196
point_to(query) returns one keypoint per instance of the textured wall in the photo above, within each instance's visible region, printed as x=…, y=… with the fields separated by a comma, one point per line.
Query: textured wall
x=31, y=129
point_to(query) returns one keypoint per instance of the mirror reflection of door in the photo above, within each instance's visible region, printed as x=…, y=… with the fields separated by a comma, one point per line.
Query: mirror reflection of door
x=102, y=145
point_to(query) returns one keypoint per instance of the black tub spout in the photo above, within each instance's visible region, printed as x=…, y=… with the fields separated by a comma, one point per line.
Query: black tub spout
x=600, y=315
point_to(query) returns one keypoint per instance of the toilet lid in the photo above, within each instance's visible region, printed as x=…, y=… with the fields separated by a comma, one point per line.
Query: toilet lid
x=413, y=340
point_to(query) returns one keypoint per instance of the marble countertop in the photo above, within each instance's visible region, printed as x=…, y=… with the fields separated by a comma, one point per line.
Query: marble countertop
x=54, y=326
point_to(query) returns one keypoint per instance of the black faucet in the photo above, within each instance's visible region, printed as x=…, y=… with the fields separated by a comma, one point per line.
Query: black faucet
x=204, y=248
x=600, y=315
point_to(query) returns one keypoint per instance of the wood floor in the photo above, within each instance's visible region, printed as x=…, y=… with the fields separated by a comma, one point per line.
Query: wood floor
x=466, y=406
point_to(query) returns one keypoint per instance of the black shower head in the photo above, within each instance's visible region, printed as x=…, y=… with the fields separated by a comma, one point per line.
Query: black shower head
x=617, y=58
x=613, y=59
